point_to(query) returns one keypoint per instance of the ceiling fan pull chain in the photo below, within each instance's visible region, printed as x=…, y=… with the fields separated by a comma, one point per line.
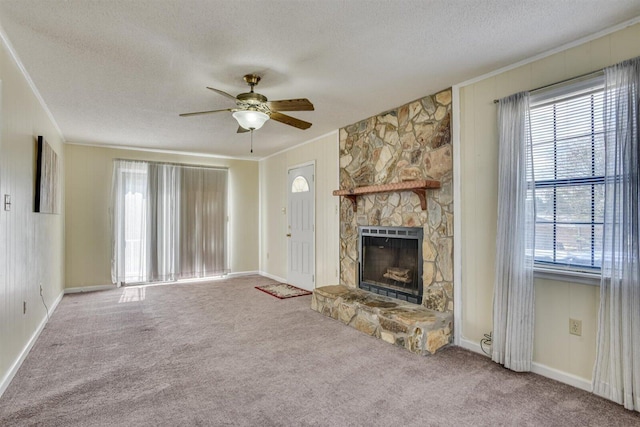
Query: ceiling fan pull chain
x=251, y=140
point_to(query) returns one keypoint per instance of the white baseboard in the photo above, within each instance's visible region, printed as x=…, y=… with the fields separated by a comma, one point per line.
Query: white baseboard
x=88, y=289
x=241, y=273
x=472, y=346
x=538, y=368
x=182, y=281
x=6, y=380
x=273, y=277
x=563, y=377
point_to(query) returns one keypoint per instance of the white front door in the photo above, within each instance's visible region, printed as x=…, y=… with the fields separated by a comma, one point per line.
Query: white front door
x=301, y=270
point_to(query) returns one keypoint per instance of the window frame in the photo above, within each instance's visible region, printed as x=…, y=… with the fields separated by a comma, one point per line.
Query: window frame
x=592, y=83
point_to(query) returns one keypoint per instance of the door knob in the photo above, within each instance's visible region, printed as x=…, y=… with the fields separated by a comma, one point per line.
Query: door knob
x=288, y=234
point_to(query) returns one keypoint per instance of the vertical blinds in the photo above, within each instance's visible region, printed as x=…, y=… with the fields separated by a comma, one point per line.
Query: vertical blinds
x=567, y=138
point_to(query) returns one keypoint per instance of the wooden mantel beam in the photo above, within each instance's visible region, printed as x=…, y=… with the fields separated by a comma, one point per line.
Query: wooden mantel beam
x=418, y=187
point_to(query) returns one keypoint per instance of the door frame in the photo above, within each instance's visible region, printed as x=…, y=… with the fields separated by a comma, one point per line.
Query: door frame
x=289, y=169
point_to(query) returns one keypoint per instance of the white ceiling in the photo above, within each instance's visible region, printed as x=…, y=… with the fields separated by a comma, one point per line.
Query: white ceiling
x=118, y=72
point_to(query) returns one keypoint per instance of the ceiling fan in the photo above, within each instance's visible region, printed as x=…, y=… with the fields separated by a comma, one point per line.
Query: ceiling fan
x=253, y=109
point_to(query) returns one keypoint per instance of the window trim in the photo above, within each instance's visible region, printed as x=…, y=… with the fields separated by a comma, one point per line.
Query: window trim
x=566, y=275
x=579, y=86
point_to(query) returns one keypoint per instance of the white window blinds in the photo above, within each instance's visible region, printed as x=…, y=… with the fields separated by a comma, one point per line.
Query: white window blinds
x=568, y=157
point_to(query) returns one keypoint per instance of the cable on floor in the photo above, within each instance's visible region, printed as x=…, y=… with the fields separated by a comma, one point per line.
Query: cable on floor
x=44, y=303
x=486, y=341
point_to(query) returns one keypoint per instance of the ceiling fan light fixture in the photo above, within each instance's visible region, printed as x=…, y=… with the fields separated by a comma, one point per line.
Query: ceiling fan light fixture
x=250, y=119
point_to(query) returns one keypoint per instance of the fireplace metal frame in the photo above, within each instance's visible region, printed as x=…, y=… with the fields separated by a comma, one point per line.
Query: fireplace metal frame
x=412, y=233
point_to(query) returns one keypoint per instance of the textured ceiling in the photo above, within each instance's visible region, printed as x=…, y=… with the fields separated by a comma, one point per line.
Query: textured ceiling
x=118, y=72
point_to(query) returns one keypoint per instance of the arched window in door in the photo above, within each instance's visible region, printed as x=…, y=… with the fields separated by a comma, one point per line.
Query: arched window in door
x=299, y=185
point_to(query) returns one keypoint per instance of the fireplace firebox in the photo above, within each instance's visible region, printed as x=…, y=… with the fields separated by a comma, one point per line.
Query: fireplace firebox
x=390, y=261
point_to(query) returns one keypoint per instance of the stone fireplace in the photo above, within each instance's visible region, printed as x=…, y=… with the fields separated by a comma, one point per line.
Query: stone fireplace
x=390, y=261
x=407, y=144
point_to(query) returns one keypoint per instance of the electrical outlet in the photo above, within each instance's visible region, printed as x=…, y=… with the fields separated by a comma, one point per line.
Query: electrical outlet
x=575, y=327
x=7, y=202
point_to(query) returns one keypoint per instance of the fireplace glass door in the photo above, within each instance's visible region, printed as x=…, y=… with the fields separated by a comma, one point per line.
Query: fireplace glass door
x=391, y=261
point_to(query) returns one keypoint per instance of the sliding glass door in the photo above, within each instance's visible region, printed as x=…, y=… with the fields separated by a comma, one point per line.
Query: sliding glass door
x=169, y=222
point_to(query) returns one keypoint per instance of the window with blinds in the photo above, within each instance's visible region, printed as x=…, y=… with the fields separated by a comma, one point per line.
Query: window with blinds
x=567, y=139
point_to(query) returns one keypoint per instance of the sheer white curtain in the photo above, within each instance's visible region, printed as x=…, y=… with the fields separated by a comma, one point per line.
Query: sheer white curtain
x=163, y=217
x=513, y=314
x=617, y=369
x=169, y=222
x=130, y=194
x=203, y=221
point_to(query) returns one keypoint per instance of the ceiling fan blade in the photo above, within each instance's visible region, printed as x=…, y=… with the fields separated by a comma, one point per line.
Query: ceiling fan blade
x=242, y=130
x=301, y=104
x=203, y=112
x=288, y=120
x=221, y=92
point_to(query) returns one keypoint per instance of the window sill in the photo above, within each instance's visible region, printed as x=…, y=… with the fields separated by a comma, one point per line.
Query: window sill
x=571, y=276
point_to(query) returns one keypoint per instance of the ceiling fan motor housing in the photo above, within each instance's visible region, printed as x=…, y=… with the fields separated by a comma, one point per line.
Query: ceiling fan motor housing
x=251, y=98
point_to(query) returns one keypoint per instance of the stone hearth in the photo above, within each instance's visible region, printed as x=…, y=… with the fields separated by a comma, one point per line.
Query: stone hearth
x=413, y=327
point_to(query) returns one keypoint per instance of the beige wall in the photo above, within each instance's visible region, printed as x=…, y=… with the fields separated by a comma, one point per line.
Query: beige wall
x=556, y=302
x=31, y=244
x=273, y=198
x=88, y=227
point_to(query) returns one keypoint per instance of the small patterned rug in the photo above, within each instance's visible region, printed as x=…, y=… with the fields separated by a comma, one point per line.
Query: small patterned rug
x=283, y=290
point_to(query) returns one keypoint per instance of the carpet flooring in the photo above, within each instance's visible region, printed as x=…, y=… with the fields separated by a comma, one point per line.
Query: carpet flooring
x=220, y=353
